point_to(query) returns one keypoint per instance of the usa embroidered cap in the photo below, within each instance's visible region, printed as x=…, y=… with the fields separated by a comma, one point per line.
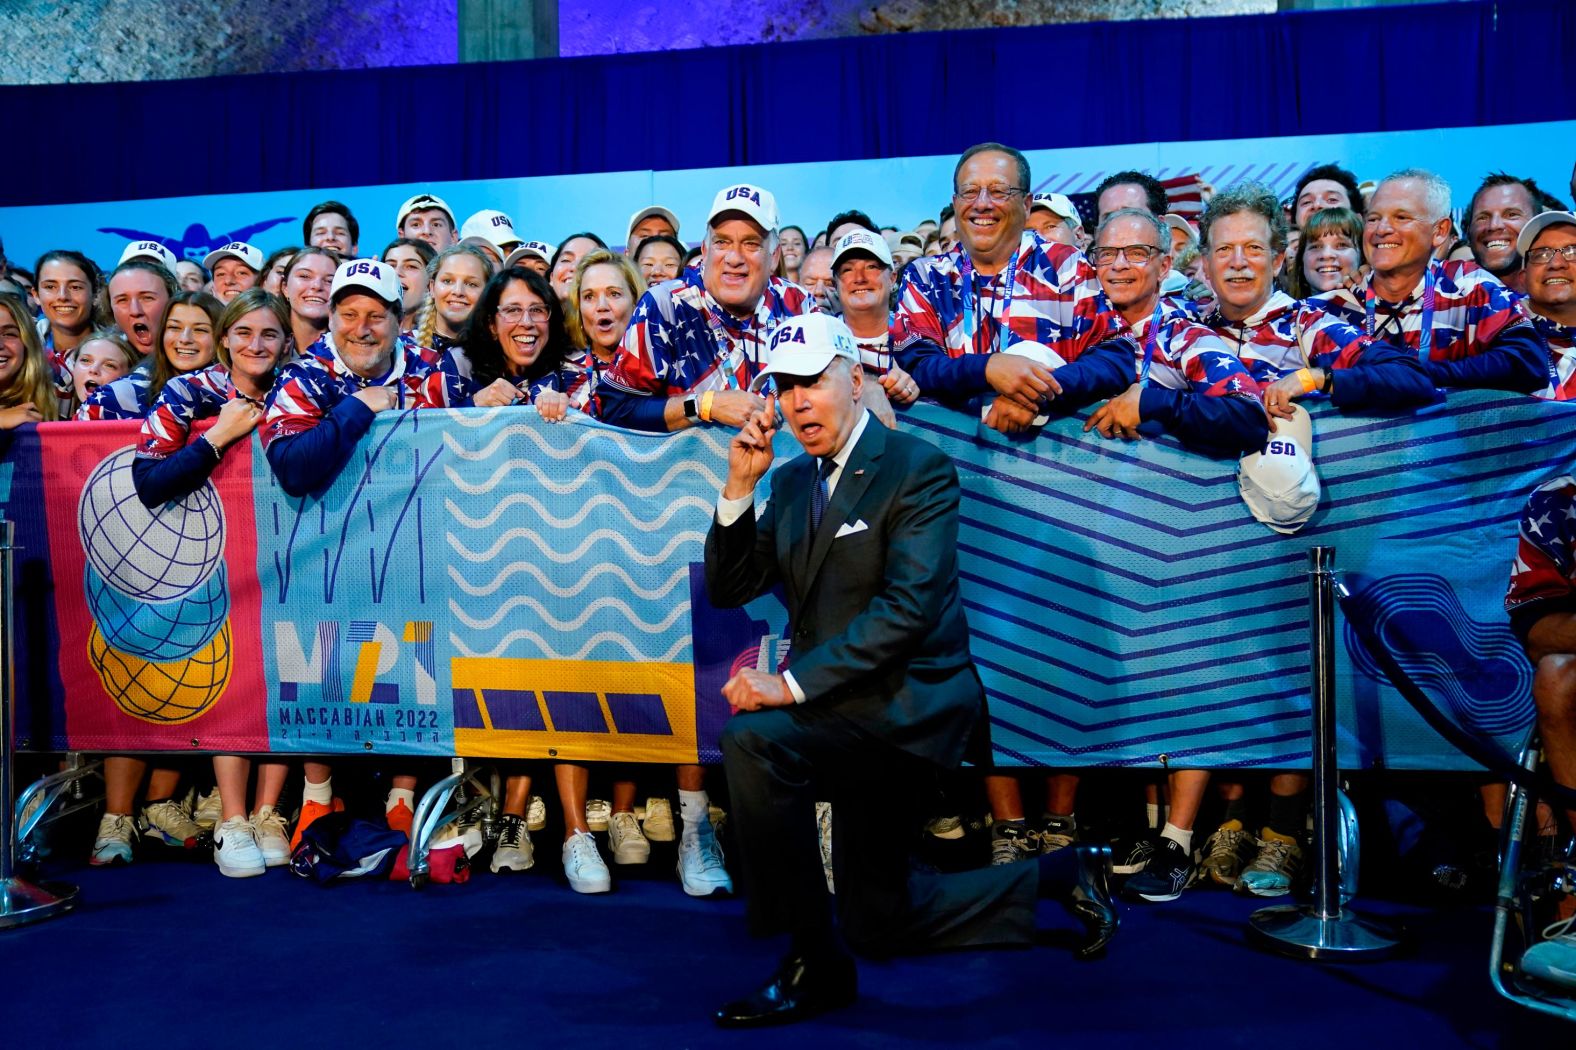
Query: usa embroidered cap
x=1057, y=204
x=494, y=227
x=151, y=250
x=655, y=210
x=422, y=202
x=365, y=275
x=251, y=256
x=863, y=241
x=1040, y=354
x=1538, y=223
x=1279, y=484
x=756, y=204
x=541, y=249
x=805, y=345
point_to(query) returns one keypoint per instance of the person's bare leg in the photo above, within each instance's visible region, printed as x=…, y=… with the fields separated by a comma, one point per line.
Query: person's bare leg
x=231, y=772
x=516, y=795
x=1005, y=797
x=573, y=782
x=122, y=777
x=1186, y=789
x=691, y=778
x=163, y=783
x=271, y=777
x=623, y=796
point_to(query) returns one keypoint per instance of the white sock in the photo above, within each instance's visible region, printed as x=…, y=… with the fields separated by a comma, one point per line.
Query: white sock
x=1152, y=814
x=694, y=813
x=1178, y=835
x=323, y=793
x=398, y=795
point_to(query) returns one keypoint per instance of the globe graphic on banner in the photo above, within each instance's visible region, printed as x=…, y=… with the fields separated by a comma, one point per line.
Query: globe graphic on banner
x=153, y=555
x=156, y=589
x=161, y=631
x=164, y=693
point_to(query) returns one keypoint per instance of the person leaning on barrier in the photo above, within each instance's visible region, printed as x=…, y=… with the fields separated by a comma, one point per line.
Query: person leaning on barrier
x=1455, y=317
x=879, y=695
x=1186, y=379
x=1004, y=285
x=1293, y=348
x=696, y=343
x=1541, y=602
x=323, y=402
x=1547, y=246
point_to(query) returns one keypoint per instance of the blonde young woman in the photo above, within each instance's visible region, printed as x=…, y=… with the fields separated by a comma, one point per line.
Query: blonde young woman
x=455, y=279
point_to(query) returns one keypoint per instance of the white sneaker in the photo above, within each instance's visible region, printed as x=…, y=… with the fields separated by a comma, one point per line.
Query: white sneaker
x=1554, y=959
x=208, y=810
x=113, y=844
x=628, y=844
x=701, y=868
x=535, y=814
x=235, y=849
x=597, y=812
x=583, y=865
x=658, y=825
x=166, y=821
x=513, y=852
x=273, y=836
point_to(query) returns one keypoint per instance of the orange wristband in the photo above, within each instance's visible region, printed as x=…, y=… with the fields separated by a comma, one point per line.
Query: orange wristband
x=705, y=405
x=1305, y=377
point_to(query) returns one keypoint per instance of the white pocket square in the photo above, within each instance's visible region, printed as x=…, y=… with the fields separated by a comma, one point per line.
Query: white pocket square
x=849, y=528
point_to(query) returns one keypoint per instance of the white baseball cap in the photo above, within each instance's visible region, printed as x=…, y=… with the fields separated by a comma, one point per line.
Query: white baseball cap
x=1040, y=354
x=421, y=202
x=1057, y=204
x=151, y=250
x=540, y=249
x=805, y=345
x=238, y=249
x=1179, y=222
x=752, y=201
x=645, y=213
x=863, y=241
x=1538, y=223
x=494, y=227
x=370, y=275
x=1279, y=484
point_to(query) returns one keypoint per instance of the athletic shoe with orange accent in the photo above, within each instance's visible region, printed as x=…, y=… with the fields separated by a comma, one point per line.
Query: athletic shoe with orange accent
x=400, y=818
x=310, y=811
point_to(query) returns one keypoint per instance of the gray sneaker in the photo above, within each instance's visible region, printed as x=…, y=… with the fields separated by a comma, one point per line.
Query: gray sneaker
x=658, y=822
x=1057, y=833
x=629, y=846
x=166, y=821
x=513, y=852
x=1274, y=867
x=1011, y=841
x=1227, y=851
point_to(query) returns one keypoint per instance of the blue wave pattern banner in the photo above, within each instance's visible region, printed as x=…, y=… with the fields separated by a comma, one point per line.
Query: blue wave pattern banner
x=483, y=583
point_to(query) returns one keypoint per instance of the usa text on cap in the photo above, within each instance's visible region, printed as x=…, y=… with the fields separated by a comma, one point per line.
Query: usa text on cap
x=805, y=345
x=151, y=250
x=494, y=227
x=421, y=202
x=365, y=275
x=758, y=205
x=1057, y=204
x=249, y=255
x=541, y=249
x=863, y=241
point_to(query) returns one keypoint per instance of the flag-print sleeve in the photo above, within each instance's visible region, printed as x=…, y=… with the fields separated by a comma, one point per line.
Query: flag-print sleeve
x=919, y=342
x=441, y=389
x=306, y=445
x=1541, y=576
x=1220, y=412
x=631, y=393
x=1512, y=360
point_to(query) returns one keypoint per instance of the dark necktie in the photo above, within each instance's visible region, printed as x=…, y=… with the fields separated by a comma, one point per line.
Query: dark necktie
x=821, y=494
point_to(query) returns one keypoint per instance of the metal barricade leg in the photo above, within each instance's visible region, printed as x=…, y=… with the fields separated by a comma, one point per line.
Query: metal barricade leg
x=1323, y=929
x=21, y=901
x=431, y=813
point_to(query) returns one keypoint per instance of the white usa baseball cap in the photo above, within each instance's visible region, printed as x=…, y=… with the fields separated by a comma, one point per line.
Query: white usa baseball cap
x=494, y=227
x=1057, y=204
x=756, y=204
x=1040, y=354
x=150, y=250
x=1279, y=484
x=541, y=249
x=251, y=256
x=367, y=275
x=655, y=210
x=805, y=345
x=863, y=241
x=422, y=202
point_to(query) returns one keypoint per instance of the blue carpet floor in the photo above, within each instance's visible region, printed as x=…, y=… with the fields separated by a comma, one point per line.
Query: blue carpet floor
x=170, y=954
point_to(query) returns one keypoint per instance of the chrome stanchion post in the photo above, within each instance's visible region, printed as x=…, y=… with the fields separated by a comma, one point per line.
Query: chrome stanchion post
x=1323, y=929
x=21, y=901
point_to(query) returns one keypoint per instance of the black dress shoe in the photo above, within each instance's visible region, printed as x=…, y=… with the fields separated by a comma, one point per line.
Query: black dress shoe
x=803, y=987
x=1090, y=900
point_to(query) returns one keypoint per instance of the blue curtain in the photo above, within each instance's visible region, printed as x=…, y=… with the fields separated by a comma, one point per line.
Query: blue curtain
x=1376, y=69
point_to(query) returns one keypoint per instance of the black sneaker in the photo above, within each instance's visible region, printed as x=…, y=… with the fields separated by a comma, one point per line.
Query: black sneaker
x=1130, y=857
x=1165, y=876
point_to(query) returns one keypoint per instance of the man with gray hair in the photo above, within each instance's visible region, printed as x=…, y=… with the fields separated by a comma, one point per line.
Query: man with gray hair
x=1459, y=320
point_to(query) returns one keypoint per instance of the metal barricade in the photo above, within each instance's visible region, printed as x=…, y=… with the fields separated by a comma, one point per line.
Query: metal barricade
x=1324, y=929
x=21, y=901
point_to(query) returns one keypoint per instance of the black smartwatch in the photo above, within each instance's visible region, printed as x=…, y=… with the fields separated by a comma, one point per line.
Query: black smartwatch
x=691, y=407
x=1329, y=380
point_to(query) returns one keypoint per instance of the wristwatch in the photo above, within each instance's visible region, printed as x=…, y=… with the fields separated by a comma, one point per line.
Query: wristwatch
x=691, y=407
x=1329, y=380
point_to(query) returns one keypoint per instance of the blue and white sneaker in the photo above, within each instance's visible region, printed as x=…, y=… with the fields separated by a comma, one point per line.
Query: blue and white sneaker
x=1553, y=959
x=113, y=844
x=1169, y=871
